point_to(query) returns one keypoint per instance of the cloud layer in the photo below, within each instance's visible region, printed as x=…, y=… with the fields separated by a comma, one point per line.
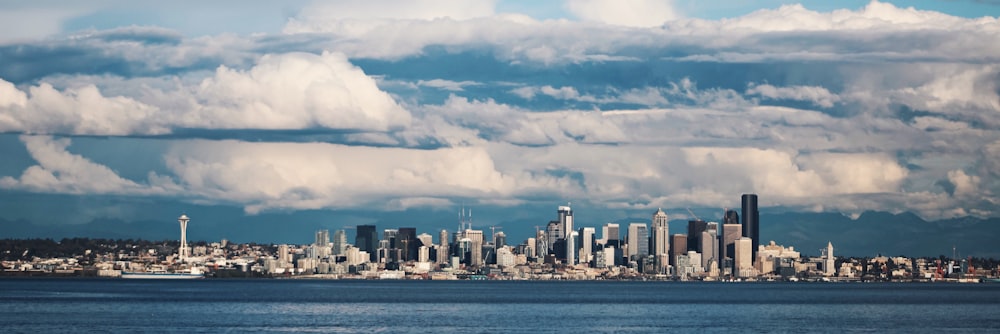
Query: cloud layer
x=406, y=104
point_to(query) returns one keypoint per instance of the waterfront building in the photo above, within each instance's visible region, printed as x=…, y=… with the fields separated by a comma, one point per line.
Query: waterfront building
x=366, y=240
x=638, y=241
x=660, y=236
x=751, y=220
x=770, y=257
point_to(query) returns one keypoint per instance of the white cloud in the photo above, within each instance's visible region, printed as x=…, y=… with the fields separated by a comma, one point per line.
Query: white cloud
x=286, y=91
x=59, y=171
x=449, y=85
x=817, y=95
x=638, y=13
x=316, y=175
x=295, y=91
x=965, y=185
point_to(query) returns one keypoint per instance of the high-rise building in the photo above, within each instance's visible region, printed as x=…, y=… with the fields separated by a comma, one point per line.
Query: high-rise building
x=638, y=240
x=553, y=232
x=566, y=224
x=751, y=221
x=475, y=246
x=730, y=233
x=366, y=240
x=587, y=244
x=828, y=260
x=499, y=240
x=530, y=248
x=339, y=242
x=322, y=238
x=709, y=247
x=661, y=233
x=407, y=243
x=678, y=246
x=744, y=257
x=731, y=217
x=610, y=234
x=695, y=227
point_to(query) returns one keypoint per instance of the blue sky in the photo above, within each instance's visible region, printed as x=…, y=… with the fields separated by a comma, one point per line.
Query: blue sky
x=336, y=113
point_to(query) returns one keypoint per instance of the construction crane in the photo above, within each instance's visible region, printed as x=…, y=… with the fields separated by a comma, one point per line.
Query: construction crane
x=692, y=214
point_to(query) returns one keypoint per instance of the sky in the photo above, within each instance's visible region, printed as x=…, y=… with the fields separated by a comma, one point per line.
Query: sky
x=257, y=117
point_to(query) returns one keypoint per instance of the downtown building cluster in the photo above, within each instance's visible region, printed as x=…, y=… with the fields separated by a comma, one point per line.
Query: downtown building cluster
x=730, y=249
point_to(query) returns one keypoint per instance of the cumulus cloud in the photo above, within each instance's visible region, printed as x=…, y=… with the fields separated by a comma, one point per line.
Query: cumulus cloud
x=639, y=13
x=317, y=175
x=59, y=171
x=286, y=91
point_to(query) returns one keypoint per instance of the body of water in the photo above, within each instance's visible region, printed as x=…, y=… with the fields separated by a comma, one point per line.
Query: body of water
x=106, y=305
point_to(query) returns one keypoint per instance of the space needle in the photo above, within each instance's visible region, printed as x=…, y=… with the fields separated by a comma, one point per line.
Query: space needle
x=183, y=252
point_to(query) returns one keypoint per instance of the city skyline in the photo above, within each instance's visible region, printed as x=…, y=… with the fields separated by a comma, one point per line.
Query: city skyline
x=263, y=120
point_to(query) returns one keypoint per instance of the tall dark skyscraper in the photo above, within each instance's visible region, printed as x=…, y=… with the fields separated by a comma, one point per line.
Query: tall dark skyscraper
x=751, y=222
x=695, y=227
x=407, y=243
x=731, y=217
x=367, y=240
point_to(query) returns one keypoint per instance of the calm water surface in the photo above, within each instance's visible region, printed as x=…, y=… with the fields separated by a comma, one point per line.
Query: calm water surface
x=83, y=305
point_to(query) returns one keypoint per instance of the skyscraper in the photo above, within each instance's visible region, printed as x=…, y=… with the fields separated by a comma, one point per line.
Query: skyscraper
x=743, y=259
x=638, y=240
x=587, y=244
x=407, y=243
x=731, y=217
x=566, y=223
x=751, y=222
x=322, y=238
x=339, y=242
x=366, y=240
x=695, y=227
x=730, y=233
x=553, y=232
x=661, y=236
x=610, y=234
x=678, y=246
x=475, y=246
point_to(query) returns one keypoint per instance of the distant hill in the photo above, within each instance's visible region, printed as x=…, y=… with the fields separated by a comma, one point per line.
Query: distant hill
x=883, y=233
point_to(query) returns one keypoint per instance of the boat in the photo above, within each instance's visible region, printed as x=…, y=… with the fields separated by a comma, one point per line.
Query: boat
x=194, y=273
